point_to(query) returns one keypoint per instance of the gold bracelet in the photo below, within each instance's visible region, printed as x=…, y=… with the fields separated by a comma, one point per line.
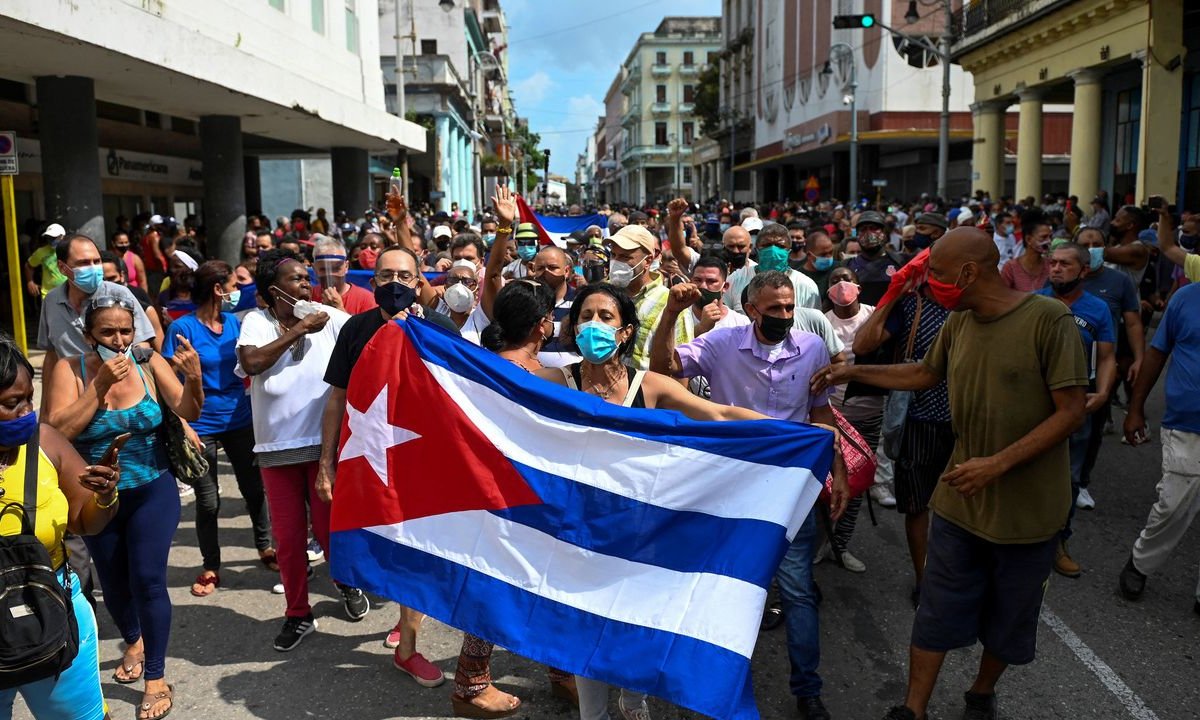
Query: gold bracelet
x=115, y=499
x=507, y=230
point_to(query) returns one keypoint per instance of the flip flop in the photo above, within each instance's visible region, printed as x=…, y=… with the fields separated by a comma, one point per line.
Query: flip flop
x=464, y=708
x=208, y=583
x=130, y=678
x=168, y=695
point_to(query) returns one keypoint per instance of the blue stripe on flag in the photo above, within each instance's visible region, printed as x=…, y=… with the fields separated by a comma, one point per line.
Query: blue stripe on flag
x=611, y=524
x=688, y=672
x=566, y=225
x=767, y=442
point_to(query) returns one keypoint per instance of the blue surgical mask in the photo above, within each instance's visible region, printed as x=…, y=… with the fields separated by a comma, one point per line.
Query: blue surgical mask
x=230, y=301
x=823, y=263
x=772, y=257
x=526, y=252
x=724, y=227
x=1097, y=258
x=88, y=278
x=597, y=341
x=106, y=353
x=16, y=432
x=489, y=239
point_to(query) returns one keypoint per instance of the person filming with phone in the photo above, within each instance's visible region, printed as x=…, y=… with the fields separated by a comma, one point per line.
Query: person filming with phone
x=109, y=392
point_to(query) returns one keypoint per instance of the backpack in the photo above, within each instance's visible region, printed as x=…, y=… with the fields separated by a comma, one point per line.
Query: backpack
x=39, y=635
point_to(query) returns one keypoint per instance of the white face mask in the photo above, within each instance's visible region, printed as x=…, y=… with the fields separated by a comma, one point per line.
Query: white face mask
x=304, y=308
x=459, y=298
x=621, y=274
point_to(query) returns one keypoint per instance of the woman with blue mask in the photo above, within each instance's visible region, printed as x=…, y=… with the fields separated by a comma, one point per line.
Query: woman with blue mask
x=213, y=331
x=95, y=398
x=603, y=322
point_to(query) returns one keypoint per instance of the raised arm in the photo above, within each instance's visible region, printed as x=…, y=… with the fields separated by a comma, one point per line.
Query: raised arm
x=67, y=409
x=873, y=334
x=663, y=358
x=185, y=399
x=493, y=278
x=1166, y=237
x=397, y=211
x=675, y=235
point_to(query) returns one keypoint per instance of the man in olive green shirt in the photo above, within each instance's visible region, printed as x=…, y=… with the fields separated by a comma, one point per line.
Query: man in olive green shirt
x=1017, y=379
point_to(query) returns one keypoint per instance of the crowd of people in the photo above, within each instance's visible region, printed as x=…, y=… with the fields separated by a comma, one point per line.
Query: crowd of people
x=880, y=320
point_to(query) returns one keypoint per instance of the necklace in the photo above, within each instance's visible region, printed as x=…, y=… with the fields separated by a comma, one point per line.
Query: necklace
x=607, y=391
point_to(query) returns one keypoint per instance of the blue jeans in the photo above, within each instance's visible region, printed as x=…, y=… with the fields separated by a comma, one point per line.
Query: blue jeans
x=1078, y=444
x=799, y=597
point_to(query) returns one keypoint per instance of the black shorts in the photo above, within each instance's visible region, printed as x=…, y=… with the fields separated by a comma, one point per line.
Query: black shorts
x=925, y=449
x=979, y=590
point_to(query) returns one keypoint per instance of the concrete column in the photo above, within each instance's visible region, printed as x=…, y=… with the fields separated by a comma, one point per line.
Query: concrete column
x=70, y=154
x=1029, y=145
x=253, y=180
x=1085, y=134
x=987, y=161
x=224, y=185
x=1162, y=104
x=454, y=189
x=351, y=180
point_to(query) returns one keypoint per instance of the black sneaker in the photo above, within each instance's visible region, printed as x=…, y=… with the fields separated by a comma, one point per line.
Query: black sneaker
x=901, y=712
x=1132, y=581
x=811, y=708
x=294, y=630
x=355, y=603
x=979, y=706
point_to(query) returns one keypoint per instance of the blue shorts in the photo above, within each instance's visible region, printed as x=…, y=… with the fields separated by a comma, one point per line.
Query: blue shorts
x=75, y=695
x=979, y=590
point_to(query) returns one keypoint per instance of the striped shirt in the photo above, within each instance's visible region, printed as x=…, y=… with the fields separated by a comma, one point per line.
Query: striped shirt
x=650, y=302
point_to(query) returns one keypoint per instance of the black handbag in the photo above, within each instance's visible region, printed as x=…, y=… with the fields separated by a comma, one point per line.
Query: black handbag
x=39, y=634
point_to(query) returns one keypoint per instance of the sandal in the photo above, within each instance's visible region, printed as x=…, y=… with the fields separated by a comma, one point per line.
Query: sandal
x=207, y=584
x=130, y=678
x=465, y=708
x=269, y=561
x=150, y=700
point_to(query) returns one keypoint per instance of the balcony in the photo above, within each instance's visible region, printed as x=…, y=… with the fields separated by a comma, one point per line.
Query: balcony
x=687, y=108
x=660, y=109
x=655, y=154
x=633, y=114
x=661, y=71
x=633, y=78
x=983, y=20
x=688, y=71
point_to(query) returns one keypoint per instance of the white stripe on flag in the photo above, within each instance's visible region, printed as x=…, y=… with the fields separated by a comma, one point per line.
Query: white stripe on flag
x=712, y=608
x=657, y=473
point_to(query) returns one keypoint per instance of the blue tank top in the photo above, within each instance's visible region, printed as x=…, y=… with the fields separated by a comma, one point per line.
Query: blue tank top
x=143, y=458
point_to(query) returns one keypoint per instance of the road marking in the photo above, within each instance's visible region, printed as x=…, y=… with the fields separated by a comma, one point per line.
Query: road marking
x=1107, y=675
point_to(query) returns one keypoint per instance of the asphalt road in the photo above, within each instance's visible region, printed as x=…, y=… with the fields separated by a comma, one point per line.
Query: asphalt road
x=1098, y=655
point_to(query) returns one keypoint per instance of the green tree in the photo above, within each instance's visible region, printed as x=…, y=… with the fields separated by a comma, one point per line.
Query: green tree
x=528, y=144
x=708, y=100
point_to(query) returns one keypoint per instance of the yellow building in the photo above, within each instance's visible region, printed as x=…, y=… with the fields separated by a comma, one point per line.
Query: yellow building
x=1122, y=64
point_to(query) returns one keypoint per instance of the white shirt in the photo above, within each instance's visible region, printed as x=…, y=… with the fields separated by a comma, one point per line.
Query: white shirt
x=846, y=329
x=1008, y=246
x=732, y=318
x=807, y=295
x=516, y=270
x=473, y=328
x=288, y=398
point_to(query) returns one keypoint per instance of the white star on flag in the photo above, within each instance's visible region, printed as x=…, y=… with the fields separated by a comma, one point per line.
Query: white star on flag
x=371, y=435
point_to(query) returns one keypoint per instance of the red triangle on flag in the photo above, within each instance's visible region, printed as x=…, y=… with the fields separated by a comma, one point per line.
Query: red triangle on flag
x=440, y=461
x=526, y=215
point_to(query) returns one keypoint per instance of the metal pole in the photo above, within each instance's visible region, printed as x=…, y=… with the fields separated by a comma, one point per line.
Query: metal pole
x=732, y=147
x=15, y=285
x=944, y=125
x=853, y=128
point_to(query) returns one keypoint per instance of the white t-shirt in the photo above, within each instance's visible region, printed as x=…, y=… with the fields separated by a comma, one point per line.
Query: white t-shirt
x=732, y=318
x=473, y=328
x=288, y=398
x=807, y=295
x=846, y=329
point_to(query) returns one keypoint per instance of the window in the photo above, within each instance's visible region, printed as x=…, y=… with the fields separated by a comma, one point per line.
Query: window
x=689, y=58
x=351, y=27
x=714, y=58
x=1129, y=121
x=687, y=174
x=689, y=133
x=660, y=93
x=277, y=4
x=689, y=93
x=660, y=133
x=660, y=58
x=318, y=16
x=429, y=47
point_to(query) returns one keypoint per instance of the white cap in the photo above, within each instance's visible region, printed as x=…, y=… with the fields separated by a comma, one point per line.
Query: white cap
x=156, y=219
x=442, y=231
x=54, y=230
x=752, y=224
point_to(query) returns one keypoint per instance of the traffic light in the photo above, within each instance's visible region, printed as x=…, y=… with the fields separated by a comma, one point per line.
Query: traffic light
x=853, y=22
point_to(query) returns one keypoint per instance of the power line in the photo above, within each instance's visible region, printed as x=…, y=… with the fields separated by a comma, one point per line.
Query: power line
x=583, y=24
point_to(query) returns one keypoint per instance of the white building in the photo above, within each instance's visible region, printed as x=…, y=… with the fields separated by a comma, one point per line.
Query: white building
x=222, y=82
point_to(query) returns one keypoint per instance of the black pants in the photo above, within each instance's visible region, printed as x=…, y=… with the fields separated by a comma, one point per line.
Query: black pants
x=81, y=564
x=843, y=530
x=238, y=445
x=1098, y=420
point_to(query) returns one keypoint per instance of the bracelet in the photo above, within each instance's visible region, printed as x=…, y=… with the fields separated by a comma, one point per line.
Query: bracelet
x=116, y=497
x=507, y=230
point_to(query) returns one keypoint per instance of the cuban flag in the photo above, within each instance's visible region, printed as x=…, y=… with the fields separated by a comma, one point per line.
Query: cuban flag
x=555, y=228
x=628, y=545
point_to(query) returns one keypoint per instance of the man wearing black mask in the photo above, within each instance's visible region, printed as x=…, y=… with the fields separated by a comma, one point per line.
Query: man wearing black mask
x=876, y=263
x=737, y=244
x=929, y=228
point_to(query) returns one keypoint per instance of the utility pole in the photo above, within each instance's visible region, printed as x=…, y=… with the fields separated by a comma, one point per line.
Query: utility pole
x=944, y=124
x=546, y=182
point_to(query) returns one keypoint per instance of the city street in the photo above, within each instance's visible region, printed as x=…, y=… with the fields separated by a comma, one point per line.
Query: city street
x=1099, y=656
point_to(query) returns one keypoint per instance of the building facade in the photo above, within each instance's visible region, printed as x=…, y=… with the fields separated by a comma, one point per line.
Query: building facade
x=1130, y=72
x=178, y=126
x=738, y=90
x=659, y=80
x=611, y=178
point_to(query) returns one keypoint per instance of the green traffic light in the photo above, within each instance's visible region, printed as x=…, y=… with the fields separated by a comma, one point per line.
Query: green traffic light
x=868, y=21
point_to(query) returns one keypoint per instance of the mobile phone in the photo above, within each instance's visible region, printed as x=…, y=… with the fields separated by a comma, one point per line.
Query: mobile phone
x=110, y=455
x=1155, y=202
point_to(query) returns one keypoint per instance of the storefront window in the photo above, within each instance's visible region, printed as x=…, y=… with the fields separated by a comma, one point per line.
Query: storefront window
x=1129, y=121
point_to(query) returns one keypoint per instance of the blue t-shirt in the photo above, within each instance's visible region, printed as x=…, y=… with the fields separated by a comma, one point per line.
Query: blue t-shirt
x=1179, y=334
x=226, y=404
x=1115, y=289
x=1094, y=320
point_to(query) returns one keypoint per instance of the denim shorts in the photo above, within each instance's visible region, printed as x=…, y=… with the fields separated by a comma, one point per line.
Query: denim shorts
x=979, y=590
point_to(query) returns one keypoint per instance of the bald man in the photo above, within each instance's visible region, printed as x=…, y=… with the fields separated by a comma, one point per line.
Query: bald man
x=1017, y=378
x=553, y=267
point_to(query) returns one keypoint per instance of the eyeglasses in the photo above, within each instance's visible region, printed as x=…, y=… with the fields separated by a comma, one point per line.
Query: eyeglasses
x=383, y=277
x=108, y=301
x=469, y=282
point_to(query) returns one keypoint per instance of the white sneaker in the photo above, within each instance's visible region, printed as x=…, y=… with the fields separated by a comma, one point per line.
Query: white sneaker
x=184, y=489
x=277, y=588
x=315, y=553
x=882, y=495
x=823, y=552
x=1085, y=501
x=852, y=563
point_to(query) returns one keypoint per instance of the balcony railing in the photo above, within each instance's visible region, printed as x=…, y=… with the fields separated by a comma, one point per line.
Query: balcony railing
x=632, y=114
x=687, y=108
x=978, y=20
x=661, y=108
x=689, y=70
x=660, y=71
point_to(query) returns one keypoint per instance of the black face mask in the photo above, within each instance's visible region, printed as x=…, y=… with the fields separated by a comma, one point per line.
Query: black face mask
x=1065, y=287
x=1189, y=242
x=593, y=273
x=394, y=297
x=735, y=259
x=707, y=297
x=774, y=329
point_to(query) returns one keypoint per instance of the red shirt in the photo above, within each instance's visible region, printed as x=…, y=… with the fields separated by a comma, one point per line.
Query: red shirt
x=354, y=300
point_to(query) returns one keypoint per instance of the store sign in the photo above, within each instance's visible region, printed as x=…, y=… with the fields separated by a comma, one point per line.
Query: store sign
x=127, y=165
x=821, y=135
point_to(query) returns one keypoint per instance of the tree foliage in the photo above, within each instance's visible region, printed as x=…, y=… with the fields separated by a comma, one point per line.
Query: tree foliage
x=708, y=99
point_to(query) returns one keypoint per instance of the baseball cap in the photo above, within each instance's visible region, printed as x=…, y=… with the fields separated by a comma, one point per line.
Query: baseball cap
x=752, y=224
x=54, y=230
x=634, y=237
x=526, y=231
x=156, y=219
x=870, y=216
x=934, y=219
x=442, y=231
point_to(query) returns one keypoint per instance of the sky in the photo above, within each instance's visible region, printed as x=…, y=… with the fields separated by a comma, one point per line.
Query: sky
x=563, y=55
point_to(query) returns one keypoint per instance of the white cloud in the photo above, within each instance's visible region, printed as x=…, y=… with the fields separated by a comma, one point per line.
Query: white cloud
x=566, y=136
x=532, y=90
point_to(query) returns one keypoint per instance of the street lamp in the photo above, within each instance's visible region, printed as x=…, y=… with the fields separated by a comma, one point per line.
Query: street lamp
x=446, y=5
x=546, y=181
x=911, y=16
x=849, y=98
